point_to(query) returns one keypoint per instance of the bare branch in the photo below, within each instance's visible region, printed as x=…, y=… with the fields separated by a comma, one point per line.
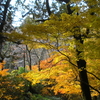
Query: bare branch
x=89, y=86
x=68, y=58
x=93, y=75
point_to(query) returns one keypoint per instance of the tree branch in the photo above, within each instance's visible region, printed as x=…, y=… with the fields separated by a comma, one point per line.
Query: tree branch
x=68, y=58
x=93, y=75
x=48, y=7
x=89, y=86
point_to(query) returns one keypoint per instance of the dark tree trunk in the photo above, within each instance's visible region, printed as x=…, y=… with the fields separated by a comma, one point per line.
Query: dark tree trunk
x=48, y=7
x=24, y=60
x=39, y=67
x=3, y=14
x=30, y=64
x=2, y=23
x=81, y=63
x=84, y=79
x=95, y=98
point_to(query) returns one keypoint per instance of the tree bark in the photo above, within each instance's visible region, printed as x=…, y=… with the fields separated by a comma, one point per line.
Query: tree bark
x=30, y=63
x=28, y=52
x=48, y=7
x=4, y=15
x=95, y=98
x=24, y=60
x=81, y=63
x=84, y=79
x=2, y=23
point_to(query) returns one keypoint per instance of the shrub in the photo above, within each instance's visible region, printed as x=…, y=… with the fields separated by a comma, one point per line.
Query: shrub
x=13, y=87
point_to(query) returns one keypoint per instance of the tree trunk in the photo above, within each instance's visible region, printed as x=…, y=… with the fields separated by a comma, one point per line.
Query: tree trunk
x=81, y=63
x=24, y=61
x=95, y=98
x=48, y=8
x=2, y=23
x=3, y=14
x=28, y=53
x=39, y=67
x=84, y=79
x=30, y=64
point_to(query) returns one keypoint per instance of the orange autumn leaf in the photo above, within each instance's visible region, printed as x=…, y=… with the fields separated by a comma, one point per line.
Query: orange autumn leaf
x=4, y=72
x=35, y=67
x=46, y=63
x=45, y=91
x=2, y=65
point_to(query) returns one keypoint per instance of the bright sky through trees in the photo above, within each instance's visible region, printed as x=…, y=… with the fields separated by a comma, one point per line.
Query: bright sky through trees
x=18, y=19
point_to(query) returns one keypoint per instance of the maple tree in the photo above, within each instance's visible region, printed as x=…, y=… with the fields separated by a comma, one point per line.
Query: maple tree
x=70, y=29
x=59, y=77
x=54, y=77
x=43, y=64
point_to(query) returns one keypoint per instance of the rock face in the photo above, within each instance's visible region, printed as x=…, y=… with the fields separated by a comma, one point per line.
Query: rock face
x=20, y=56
